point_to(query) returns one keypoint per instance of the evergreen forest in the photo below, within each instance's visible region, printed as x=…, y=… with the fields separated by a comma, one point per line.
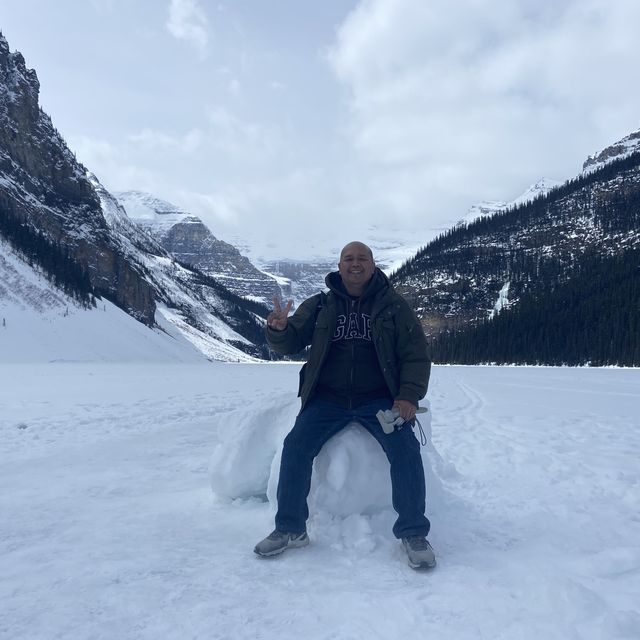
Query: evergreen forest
x=591, y=319
x=53, y=260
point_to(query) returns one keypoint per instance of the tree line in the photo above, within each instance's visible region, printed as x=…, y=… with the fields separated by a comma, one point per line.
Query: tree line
x=55, y=261
x=593, y=318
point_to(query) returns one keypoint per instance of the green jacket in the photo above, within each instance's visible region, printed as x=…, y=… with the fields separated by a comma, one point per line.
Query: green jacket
x=398, y=338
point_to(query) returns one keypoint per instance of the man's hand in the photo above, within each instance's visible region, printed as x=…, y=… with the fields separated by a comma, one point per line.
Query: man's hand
x=407, y=409
x=277, y=319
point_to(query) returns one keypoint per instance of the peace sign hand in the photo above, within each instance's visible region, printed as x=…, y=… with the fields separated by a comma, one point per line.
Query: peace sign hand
x=277, y=319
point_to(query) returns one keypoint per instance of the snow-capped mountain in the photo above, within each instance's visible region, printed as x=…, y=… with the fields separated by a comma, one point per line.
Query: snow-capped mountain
x=63, y=222
x=489, y=207
x=188, y=239
x=621, y=149
x=474, y=271
x=391, y=247
x=301, y=279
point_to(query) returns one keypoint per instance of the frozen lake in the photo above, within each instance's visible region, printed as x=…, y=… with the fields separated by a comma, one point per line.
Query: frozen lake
x=109, y=527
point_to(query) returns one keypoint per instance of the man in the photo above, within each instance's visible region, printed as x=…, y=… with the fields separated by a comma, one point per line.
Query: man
x=368, y=352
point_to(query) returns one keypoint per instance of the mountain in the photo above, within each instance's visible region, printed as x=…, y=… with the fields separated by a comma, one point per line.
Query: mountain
x=392, y=246
x=300, y=279
x=540, y=254
x=490, y=207
x=190, y=241
x=617, y=151
x=39, y=322
x=61, y=220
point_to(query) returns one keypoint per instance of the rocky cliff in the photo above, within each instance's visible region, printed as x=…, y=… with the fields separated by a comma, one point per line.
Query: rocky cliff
x=621, y=149
x=42, y=185
x=190, y=241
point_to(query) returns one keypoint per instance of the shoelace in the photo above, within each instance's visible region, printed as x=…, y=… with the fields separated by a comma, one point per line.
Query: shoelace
x=275, y=534
x=418, y=543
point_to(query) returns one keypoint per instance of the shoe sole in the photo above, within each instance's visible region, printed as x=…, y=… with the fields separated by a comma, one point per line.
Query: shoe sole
x=422, y=566
x=294, y=544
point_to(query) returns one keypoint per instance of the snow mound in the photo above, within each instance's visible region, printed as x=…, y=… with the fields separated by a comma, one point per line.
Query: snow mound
x=248, y=440
x=350, y=475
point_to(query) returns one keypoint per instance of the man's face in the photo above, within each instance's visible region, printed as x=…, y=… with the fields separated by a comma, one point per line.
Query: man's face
x=356, y=264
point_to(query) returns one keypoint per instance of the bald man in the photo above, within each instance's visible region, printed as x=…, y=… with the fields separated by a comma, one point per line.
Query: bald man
x=368, y=352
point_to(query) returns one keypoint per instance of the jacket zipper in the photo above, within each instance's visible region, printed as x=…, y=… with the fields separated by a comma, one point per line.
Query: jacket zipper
x=353, y=355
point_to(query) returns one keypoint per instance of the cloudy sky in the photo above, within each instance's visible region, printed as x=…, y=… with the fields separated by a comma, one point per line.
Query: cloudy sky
x=286, y=120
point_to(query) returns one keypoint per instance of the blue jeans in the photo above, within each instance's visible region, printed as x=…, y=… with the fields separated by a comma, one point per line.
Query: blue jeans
x=319, y=421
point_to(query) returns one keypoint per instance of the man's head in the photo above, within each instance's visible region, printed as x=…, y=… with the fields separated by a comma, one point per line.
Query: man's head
x=356, y=267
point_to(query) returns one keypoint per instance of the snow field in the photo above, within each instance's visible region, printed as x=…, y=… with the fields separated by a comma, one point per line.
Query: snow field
x=109, y=527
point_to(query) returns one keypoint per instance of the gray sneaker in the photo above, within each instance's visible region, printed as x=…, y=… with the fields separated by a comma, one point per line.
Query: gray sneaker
x=278, y=541
x=419, y=552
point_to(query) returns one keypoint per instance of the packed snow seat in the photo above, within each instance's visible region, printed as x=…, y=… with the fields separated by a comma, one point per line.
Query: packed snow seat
x=351, y=473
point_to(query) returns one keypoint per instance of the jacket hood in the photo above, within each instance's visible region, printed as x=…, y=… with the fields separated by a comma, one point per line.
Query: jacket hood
x=378, y=282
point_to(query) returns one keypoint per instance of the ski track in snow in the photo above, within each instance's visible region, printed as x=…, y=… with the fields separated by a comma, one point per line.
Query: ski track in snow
x=108, y=527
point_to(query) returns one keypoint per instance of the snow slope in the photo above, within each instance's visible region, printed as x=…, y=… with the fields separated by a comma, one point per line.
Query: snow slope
x=488, y=207
x=109, y=528
x=39, y=323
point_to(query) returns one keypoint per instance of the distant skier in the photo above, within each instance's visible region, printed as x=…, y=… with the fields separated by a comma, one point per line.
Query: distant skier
x=368, y=353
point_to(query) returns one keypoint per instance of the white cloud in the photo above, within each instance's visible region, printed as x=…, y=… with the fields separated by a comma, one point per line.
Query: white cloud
x=158, y=140
x=451, y=103
x=187, y=21
x=112, y=164
x=242, y=139
x=104, y=6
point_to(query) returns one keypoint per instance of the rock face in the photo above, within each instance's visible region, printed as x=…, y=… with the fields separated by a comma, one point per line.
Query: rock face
x=190, y=241
x=621, y=149
x=301, y=280
x=66, y=224
x=44, y=186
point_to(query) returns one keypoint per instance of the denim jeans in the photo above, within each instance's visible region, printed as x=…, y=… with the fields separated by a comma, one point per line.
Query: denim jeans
x=319, y=421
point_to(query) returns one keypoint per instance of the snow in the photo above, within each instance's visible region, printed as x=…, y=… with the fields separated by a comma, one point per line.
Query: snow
x=489, y=207
x=146, y=208
x=109, y=527
x=617, y=151
x=105, y=333
x=213, y=335
x=502, y=301
x=39, y=323
x=540, y=188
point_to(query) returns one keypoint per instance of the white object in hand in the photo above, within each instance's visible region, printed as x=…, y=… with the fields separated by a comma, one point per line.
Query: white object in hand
x=389, y=419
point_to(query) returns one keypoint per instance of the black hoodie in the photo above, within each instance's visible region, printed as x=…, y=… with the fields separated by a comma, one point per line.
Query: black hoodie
x=351, y=374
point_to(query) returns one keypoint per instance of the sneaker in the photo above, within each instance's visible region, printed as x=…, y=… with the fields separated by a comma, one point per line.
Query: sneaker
x=278, y=541
x=419, y=552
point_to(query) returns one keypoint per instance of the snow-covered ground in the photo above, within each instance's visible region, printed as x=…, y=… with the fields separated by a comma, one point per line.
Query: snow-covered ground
x=39, y=323
x=109, y=527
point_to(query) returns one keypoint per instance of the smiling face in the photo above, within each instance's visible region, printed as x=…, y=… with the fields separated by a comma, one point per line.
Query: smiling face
x=356, y=267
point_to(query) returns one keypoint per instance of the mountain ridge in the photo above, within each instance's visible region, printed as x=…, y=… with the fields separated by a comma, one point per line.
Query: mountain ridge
x=456, y=282
x=185, y=236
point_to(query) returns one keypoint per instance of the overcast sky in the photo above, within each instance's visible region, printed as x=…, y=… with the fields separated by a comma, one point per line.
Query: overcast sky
x=291, y=119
